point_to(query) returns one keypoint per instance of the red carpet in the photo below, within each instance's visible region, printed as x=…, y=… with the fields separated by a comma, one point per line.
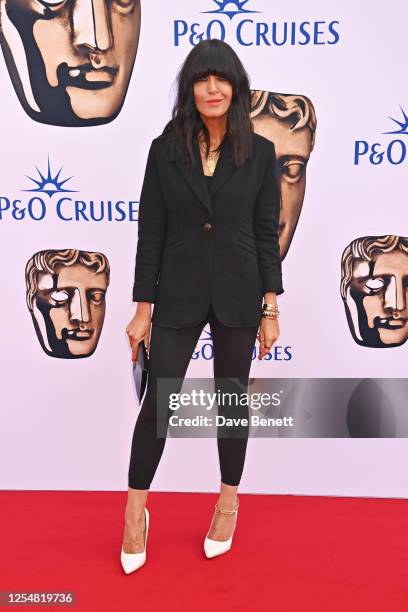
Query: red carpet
x=289, y=553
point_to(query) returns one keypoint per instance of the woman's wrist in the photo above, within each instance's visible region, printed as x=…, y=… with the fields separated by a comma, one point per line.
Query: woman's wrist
x=144, y=307
x=270, y=297
x=270, y=308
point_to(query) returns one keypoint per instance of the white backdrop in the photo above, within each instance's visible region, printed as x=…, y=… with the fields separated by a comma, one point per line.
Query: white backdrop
x=68, y=424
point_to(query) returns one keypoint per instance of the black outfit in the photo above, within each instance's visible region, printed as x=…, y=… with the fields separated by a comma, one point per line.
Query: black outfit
x=199, y=245
x=204, y=263
x=170, y=353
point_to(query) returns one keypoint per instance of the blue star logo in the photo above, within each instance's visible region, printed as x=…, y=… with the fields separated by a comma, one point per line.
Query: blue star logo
x=230, y=7
x=49, y=184
x=403, y=125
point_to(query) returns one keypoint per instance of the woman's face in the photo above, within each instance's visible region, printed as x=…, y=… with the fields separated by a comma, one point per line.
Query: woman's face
x=212, y=96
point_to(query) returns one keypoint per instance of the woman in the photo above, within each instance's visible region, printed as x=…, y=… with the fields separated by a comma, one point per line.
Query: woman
x=208, y=251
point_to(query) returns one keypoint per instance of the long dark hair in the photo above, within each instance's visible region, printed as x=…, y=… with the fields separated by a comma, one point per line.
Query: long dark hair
x=212, y=56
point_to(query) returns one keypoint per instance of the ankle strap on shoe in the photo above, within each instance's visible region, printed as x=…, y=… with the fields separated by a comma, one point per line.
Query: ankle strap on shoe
x=227, y=512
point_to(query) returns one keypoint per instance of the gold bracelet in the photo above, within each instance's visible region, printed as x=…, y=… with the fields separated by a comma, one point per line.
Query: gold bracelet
x=267, y=306
x=269, y=315
x=270, y=310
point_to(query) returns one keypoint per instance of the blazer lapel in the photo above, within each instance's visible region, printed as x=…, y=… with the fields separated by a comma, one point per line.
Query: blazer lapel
x=195, y=176
x=224, y=169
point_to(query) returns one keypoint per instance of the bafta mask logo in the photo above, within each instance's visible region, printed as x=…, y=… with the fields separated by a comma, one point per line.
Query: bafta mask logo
x=374, y=288
x=66, y=298
x=290, y=122
x=70, y=61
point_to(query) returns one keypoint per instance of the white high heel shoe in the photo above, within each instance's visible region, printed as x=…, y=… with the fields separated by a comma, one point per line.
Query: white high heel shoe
x=132, y=561
x=213, y=548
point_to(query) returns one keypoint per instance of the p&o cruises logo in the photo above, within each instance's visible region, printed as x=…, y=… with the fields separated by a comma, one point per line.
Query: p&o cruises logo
x=235, y=19
x=204, y=350
x=391, y=151
x=50, y=198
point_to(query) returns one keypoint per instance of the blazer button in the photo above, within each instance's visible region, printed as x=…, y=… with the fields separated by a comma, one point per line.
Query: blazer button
x=207, y=227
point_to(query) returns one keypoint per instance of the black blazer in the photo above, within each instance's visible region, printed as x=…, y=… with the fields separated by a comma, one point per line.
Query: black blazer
x=197, y=243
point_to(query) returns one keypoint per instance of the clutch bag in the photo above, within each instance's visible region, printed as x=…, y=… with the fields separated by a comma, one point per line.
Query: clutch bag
x=140, y=370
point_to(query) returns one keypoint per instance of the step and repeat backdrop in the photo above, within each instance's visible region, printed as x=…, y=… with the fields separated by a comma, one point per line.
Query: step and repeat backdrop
x=86, y=85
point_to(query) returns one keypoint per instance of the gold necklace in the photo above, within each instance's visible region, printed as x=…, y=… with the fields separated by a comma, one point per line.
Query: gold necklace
x=211, y=160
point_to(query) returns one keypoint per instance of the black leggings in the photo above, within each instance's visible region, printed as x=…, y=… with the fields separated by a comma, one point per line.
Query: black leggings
x=170, y=352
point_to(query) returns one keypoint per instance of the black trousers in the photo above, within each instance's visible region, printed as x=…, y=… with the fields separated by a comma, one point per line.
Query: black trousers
x=170, y=352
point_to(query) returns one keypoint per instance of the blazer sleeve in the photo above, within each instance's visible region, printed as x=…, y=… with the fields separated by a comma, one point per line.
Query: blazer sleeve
x=266, y=222
x=152, y=222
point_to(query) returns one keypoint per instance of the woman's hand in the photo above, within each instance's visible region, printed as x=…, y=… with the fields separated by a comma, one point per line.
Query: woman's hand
x=267, y=335
x=139, y=328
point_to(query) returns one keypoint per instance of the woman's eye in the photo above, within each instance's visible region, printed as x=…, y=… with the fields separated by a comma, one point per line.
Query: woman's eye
x=374, y=284
x=219, y=78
